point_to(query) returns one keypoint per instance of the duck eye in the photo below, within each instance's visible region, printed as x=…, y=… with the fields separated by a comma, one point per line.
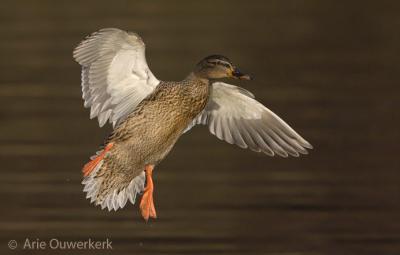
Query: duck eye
x=222, y=63
x=210, y=64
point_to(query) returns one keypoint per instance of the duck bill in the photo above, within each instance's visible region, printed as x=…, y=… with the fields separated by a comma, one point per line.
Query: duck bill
x=237, y=74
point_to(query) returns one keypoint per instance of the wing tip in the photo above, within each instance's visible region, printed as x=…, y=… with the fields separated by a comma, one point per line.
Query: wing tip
x=308, y=146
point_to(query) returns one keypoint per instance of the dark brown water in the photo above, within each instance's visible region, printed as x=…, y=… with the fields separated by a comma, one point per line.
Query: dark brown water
x=329, y=68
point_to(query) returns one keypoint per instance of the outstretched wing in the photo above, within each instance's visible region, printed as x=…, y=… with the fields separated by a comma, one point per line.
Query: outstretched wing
x=115, y=74
x=232, y=114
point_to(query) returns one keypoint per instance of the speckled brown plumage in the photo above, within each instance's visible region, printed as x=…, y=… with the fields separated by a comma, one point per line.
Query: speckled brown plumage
x=147, y=135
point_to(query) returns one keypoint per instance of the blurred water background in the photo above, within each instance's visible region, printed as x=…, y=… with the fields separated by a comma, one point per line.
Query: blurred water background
x=329, y=68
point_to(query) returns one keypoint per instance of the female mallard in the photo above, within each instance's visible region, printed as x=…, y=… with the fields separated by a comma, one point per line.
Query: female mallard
x=149, y=116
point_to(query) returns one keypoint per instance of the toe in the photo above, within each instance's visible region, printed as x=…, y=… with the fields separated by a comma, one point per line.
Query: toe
x=145, y=206
x=152, y=209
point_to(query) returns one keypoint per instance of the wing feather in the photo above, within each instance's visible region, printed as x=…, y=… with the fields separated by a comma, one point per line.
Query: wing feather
x=115, y=74
x=233, y=115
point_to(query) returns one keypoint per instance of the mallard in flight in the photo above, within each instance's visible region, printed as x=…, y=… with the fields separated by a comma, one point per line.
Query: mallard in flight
x=149, y=115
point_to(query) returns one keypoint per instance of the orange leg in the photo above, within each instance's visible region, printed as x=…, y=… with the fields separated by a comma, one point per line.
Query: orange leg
x=146, y=204
x=89, y=167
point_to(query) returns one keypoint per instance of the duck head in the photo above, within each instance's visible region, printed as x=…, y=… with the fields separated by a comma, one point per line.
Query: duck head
x=218, y=67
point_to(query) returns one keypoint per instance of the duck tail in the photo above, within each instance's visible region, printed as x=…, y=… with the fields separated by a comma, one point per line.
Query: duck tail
x=103, y=185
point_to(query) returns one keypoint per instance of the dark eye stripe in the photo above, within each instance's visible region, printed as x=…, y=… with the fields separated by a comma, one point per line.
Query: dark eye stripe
x=223, y=64
x=217, y=62
x=211, y=64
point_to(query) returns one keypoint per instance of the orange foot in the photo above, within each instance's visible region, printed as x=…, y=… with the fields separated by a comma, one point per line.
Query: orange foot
x=146, y=204
x=89, y=167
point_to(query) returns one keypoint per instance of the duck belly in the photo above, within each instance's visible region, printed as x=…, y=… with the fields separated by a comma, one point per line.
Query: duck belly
x=144, y=138
x=150, y=132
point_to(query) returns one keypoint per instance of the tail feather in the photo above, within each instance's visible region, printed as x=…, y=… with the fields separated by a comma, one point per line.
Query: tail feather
x=116, y=197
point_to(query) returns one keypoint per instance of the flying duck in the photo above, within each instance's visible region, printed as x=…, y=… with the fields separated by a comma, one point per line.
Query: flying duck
x=149, y=115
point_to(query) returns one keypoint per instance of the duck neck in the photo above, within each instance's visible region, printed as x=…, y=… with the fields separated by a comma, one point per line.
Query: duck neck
x=196, y=77
x=197, y=87
x=196, y=90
